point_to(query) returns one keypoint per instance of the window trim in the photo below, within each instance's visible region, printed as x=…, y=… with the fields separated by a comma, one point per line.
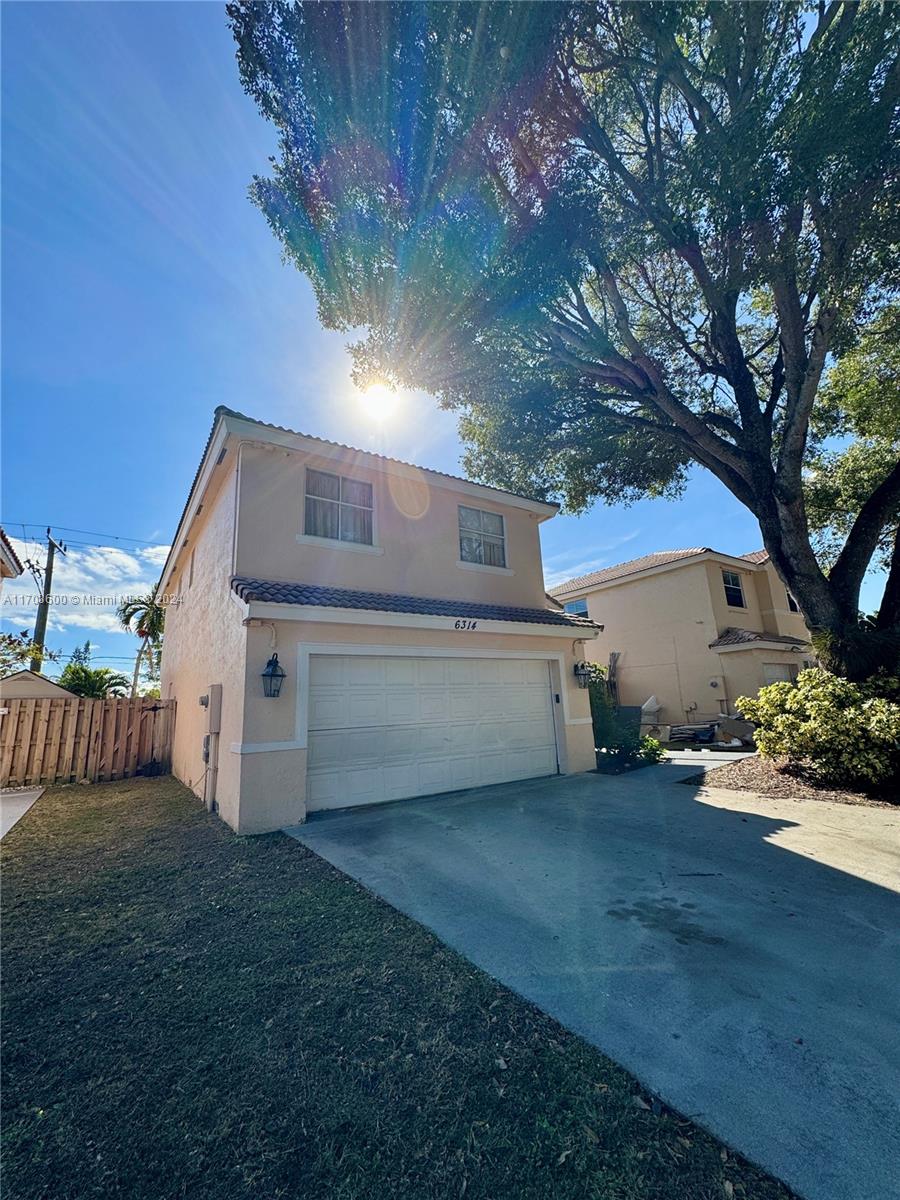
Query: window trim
x=792, y=604
x=791, y=669
x=310, y=539
x=740, y=587
x=572, y=612
x=476, y=566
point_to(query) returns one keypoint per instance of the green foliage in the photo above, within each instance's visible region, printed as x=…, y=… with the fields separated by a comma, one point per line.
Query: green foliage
x=144, y=616
x=651, y=750
x=82, y=655
x=96, y=683
x=860, y=398
x=618, y=239
x=840, y=732
x=619, y=741
x=18, y=649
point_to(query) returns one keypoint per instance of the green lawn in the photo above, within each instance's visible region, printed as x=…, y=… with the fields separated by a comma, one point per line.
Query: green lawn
x=191, y=1014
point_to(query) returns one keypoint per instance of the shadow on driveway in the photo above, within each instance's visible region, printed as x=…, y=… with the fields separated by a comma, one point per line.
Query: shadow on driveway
x=702, y=946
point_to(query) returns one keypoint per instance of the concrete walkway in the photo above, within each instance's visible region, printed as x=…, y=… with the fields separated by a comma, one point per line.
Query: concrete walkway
x=740, y=955
x=14, y=805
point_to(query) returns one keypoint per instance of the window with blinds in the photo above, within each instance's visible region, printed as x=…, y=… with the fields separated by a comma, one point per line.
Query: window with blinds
x=337, y=508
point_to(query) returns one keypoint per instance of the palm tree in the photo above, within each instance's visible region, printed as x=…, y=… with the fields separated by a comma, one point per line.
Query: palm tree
x=145, y=617
x=96, y=683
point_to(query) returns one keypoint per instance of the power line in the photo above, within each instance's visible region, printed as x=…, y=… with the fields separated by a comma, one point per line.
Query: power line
x=118, y=537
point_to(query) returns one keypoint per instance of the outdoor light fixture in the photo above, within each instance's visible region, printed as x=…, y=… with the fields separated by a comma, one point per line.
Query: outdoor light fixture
x=582, y=674
x=273, y=677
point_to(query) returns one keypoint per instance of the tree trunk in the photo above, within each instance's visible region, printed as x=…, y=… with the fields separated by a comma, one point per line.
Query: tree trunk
x=889, y=610
x=137, y=667
x=832, y=614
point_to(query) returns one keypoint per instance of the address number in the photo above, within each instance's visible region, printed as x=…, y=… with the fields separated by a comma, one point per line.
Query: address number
x=463, y=624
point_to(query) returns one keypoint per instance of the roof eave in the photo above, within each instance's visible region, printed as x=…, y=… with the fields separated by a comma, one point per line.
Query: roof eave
x=270, y=610
x=243, y=426
x=690, y=560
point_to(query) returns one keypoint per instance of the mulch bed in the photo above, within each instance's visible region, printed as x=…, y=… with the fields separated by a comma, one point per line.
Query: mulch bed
x=191, y=1015
x=756, y=774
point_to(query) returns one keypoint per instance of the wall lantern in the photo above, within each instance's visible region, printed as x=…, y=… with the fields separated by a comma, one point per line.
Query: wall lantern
x=273, y=677
x=583, y=674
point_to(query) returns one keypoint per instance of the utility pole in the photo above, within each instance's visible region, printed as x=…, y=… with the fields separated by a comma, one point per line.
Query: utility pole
x=40, y=625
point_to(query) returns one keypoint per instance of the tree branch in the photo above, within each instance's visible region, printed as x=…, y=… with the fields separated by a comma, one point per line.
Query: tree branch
x=847, y=574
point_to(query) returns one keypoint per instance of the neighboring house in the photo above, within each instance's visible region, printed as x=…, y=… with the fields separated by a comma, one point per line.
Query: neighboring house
x=407, y=609
x=10, y=567
x=29, y=685
x=693, y=628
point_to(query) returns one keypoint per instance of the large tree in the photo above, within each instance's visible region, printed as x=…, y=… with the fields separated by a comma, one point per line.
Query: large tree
x=622, y=239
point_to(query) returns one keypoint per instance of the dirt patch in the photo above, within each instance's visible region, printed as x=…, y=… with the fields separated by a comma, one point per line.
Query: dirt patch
x=755, y=774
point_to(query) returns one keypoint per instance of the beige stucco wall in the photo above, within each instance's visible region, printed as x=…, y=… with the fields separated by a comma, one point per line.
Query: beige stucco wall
x=31, y=687
x=773, y=603
x=662, y=624
x=261, y=781
x=416, y=531
x=203, y=645
x=273, y=782
x=743, y=670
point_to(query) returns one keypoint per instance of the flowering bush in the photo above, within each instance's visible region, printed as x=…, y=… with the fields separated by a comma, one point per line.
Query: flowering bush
x=841, y=732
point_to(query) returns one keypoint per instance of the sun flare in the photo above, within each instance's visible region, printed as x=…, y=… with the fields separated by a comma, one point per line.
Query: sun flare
x=378, y=401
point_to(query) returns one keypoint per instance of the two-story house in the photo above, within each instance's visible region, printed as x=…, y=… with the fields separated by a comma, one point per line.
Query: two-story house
x=693, y=628
x=406, y=609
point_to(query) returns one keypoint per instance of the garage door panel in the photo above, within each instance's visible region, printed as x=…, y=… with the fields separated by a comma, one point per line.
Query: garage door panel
x=462, y=671
x=390, y=728
x=488, y=670
x=400, y=672
x=328, y=710
x=398, y=707
x=432, y=672
x=460, y=705
x=365, y=707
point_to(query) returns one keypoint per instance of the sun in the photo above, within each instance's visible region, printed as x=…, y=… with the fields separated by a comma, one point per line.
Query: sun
x=378, y=401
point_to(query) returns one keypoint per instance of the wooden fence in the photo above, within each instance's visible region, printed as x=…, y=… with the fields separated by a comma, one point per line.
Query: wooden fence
x=68, y=740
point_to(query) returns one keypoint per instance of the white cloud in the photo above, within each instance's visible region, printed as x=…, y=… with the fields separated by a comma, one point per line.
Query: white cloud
x=88, y=586
x=156, y=555
x=570, y=564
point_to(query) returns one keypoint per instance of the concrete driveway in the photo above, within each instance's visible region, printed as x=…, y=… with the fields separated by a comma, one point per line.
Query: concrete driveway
x=14, y=804
x=741, y=956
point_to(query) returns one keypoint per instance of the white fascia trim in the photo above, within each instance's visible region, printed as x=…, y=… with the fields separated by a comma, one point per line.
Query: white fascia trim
x=306, y=650
x=375, y=462
x=707, y=556
x=209, y=464
x=797, y=647
x=267, y=611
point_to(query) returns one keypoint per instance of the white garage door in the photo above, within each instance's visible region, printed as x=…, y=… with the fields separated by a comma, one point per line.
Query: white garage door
x=393, y=727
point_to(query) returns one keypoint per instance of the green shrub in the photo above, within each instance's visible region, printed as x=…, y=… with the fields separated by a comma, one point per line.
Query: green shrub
x=651, y=750
x=841, y=732
x=618, y=740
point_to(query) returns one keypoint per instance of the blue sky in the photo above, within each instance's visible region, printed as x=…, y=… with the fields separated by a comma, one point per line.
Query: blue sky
x=141, y=289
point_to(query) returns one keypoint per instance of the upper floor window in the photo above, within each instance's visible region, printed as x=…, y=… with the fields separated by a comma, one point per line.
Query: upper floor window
x=481, y=537
x=734, y=592
x=792, y=603
x=338, y=508
x=577, y=608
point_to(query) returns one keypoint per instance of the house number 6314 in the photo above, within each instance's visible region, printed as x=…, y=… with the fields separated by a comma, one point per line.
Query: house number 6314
x=463, y=624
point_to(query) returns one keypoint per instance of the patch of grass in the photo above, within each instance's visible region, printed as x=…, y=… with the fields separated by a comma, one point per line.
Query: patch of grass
x=187, y=1013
